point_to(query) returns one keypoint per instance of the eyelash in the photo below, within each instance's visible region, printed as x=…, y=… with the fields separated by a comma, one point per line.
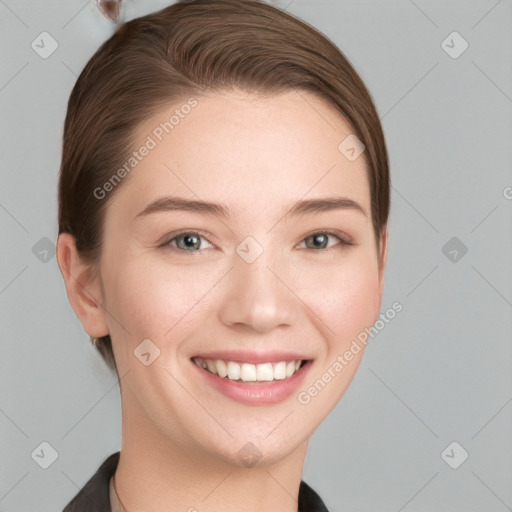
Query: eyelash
x=342, y=239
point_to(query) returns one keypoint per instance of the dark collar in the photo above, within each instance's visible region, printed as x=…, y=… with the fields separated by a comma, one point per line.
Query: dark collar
x=94, y=496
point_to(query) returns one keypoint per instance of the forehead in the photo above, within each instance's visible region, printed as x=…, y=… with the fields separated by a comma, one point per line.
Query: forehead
x=247, y=151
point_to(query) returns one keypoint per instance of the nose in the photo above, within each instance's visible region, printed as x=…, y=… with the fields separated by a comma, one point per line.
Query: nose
x=258, y=295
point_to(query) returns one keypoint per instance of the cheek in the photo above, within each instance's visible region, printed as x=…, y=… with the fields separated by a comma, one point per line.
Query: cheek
x=345, y=297
x=149, y=298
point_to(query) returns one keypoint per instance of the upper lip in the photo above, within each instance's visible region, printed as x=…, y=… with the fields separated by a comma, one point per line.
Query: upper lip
x=254, y=357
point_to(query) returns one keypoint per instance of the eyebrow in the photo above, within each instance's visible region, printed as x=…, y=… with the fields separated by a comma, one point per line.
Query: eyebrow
x=303, y=207
x=325, y=204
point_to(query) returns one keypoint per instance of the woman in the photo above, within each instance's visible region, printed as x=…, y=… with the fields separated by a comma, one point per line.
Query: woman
x=223, y=206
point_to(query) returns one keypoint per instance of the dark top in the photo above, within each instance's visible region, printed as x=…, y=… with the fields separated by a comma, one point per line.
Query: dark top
x=95, y=497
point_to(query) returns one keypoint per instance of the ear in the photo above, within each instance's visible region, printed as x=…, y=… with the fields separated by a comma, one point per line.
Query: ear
x=83, y=286
x=383, y=258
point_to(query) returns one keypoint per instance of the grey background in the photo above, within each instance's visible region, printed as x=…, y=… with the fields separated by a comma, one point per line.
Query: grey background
x=439, y=372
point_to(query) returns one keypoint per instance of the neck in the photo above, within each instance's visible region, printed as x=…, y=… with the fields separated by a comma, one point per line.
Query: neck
x=157, y=473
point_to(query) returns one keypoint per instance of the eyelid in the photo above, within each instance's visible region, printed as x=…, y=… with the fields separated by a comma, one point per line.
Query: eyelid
x=343, y=238
x=340, y=235
x=166, y=240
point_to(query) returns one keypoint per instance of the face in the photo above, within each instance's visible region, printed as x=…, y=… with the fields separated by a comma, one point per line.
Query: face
x=271, y=278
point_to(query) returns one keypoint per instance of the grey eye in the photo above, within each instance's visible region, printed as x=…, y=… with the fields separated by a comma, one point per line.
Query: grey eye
x=190, y=241
x=320, y=241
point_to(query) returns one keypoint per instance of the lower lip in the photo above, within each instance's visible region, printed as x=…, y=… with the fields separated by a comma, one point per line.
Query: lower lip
x=255, y=393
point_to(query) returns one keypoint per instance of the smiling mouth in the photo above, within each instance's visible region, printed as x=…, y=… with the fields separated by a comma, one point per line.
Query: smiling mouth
x=248, y=372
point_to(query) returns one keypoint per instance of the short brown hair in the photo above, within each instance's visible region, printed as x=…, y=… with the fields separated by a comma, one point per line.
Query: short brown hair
x=190, y=47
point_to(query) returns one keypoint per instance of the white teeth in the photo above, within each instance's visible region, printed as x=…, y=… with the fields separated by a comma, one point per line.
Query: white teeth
x=212, y=367
x=248, y=372
x=233, y=371
x=264, y=372
x=280, y=371
x=221, y=368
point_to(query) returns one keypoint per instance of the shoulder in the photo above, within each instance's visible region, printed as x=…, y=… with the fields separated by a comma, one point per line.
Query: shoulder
x=94, y=496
